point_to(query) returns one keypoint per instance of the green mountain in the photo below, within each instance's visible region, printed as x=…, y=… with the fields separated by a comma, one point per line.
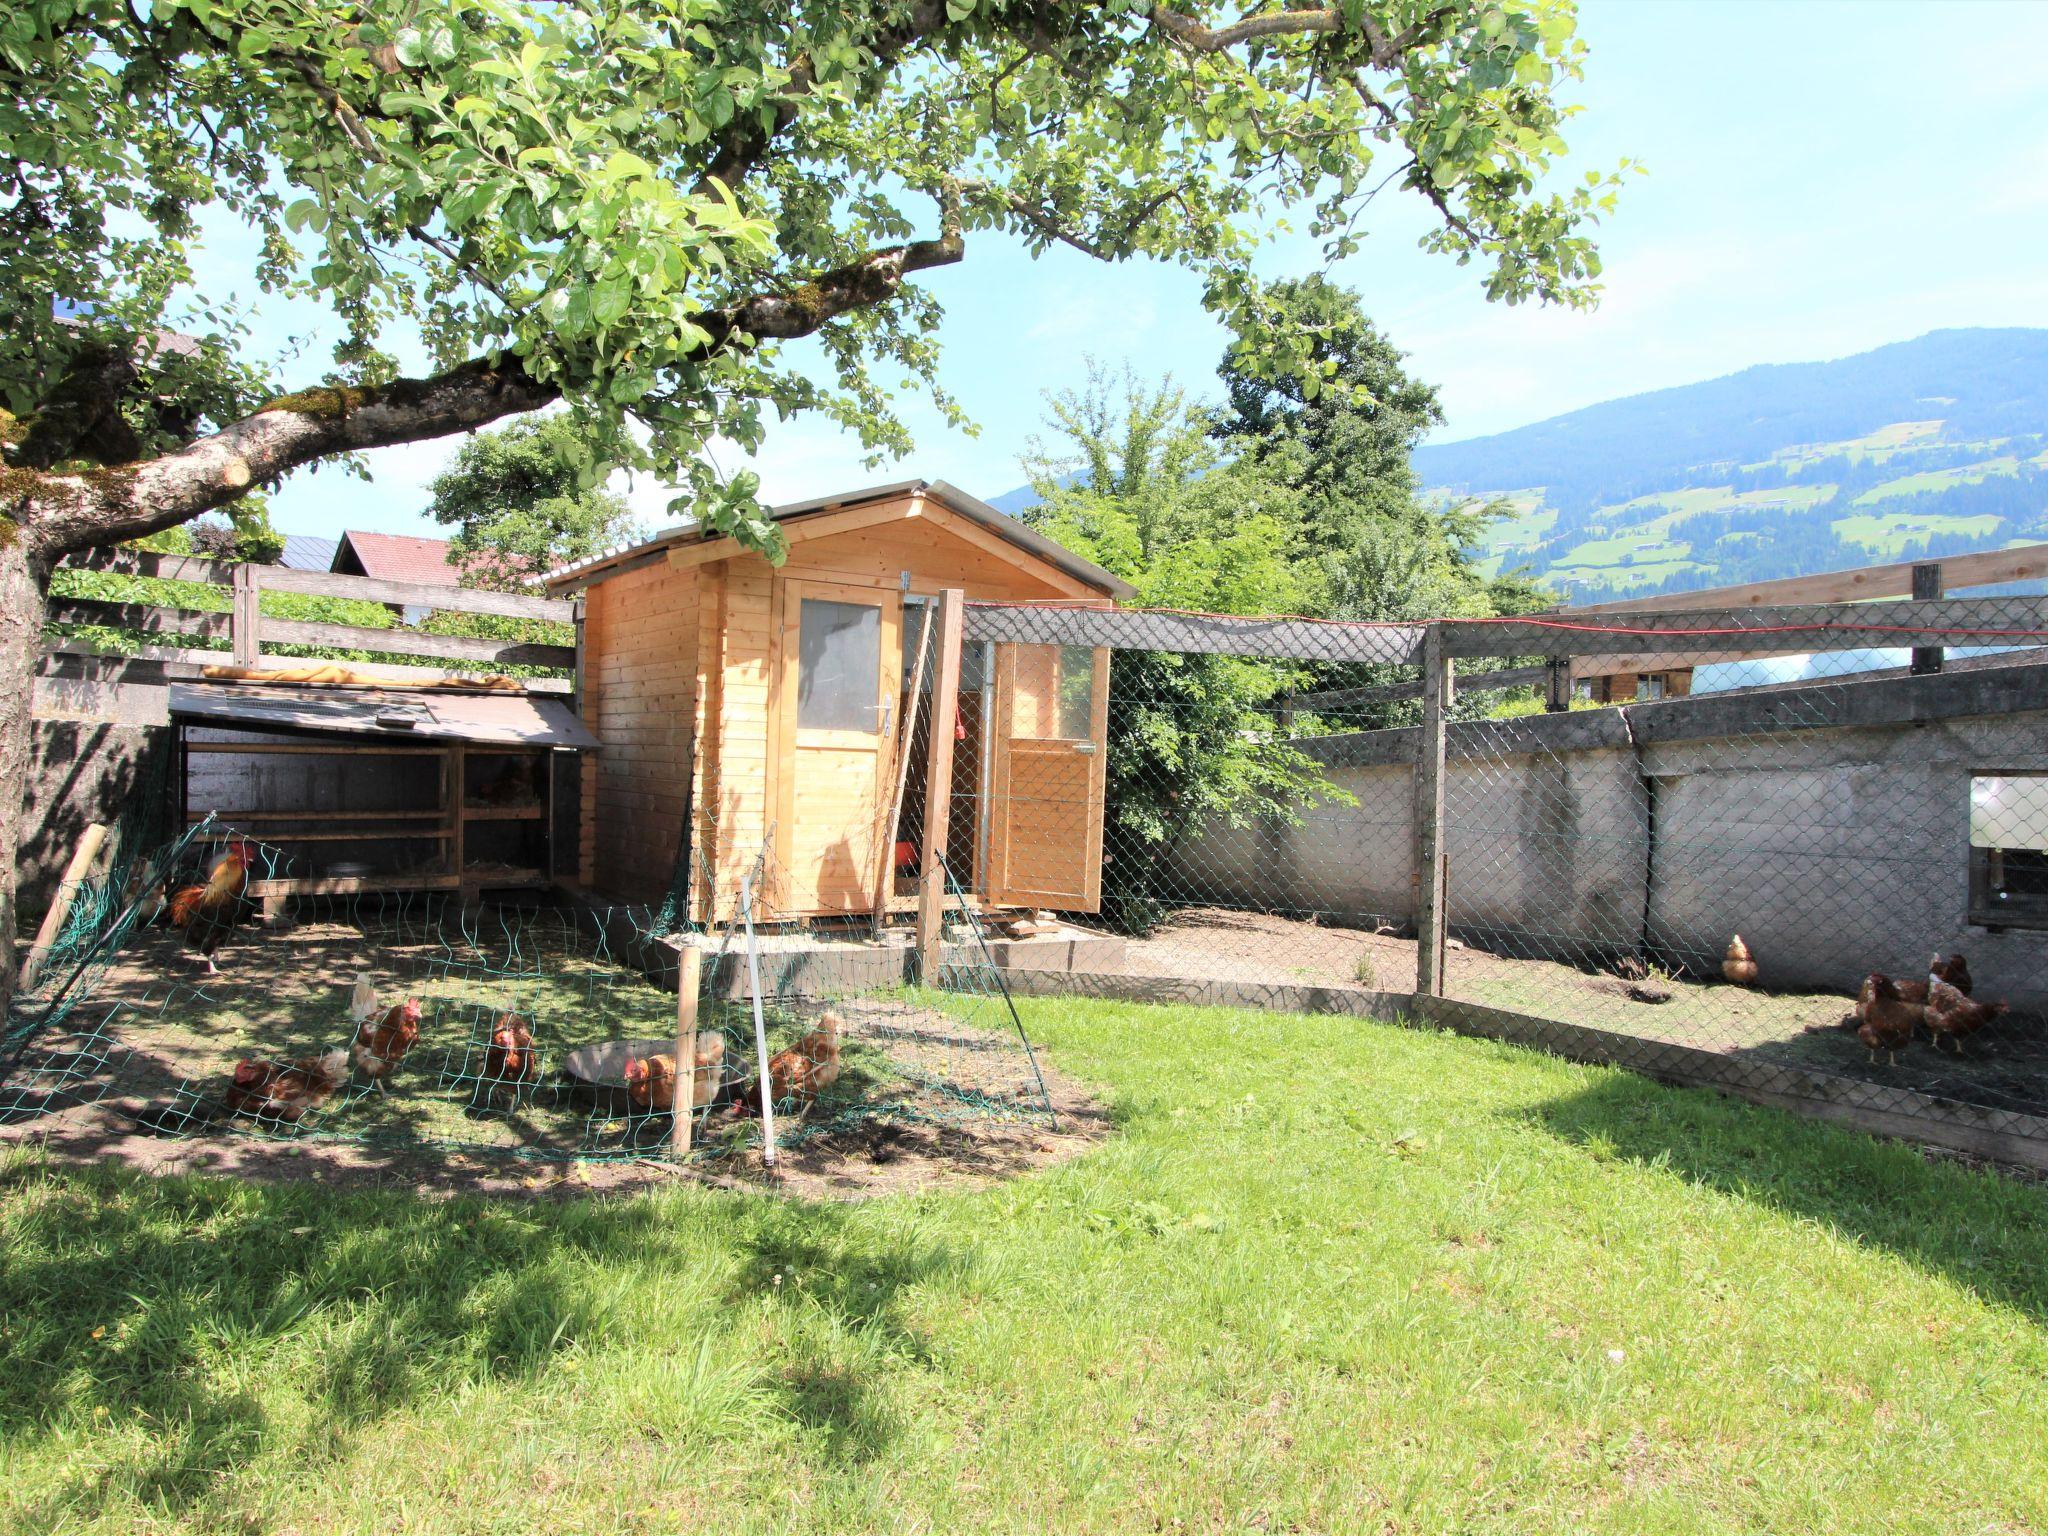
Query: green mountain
x=1929, y=447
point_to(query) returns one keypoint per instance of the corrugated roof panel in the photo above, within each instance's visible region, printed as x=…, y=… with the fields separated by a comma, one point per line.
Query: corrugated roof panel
x=497, y=719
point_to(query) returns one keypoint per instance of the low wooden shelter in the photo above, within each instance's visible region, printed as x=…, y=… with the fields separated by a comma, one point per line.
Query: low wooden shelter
x=762, y=707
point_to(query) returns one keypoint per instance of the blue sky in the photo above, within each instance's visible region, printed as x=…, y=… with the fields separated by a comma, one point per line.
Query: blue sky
x=1823, y=178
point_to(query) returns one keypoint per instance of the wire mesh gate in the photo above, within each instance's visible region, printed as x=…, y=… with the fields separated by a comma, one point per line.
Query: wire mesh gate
x=1431, y=822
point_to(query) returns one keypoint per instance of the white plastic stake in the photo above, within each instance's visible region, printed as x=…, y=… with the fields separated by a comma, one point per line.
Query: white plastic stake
x=760, y=1025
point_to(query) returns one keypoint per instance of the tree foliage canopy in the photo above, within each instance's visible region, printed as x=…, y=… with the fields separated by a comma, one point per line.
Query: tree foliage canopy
x=628, y=206
x=519, y=507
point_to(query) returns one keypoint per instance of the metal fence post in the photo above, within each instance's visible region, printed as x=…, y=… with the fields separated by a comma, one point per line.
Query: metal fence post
x=1429, y=816
x=1926, y=588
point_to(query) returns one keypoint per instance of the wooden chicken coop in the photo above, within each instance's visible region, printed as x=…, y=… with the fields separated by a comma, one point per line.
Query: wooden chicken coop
x=365, y=790
x=762, y=707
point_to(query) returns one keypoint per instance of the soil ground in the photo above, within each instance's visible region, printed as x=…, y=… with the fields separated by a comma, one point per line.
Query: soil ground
x=2005, y=1064
x=935, y=1090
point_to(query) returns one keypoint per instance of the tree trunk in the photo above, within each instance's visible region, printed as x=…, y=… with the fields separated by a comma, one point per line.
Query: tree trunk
x=21, y=633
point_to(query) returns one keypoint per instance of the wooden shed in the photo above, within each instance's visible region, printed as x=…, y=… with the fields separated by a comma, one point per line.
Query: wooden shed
x=762, y=707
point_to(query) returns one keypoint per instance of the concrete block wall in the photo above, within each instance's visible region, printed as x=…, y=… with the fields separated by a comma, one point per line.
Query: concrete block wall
x=79, y=772
x=1829, y=826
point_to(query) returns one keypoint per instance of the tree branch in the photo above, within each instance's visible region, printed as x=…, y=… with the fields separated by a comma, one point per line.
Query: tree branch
x=58, y=513
x=1382, y=51
x=1190, y=33
x=872, y=279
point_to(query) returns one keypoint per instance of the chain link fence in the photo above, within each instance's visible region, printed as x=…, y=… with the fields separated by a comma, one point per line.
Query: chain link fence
x=1683, y=843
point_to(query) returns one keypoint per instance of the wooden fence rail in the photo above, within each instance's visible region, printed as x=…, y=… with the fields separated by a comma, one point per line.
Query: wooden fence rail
x=247, y=629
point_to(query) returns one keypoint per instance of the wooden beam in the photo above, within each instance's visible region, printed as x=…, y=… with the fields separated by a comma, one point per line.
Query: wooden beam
x=245, y=632
x=1983, y=569
x=83, y=858
x=997, y=547
x=906, y=730
x=412, y=594
x=143, y=562
x=1557, y=685
x=279, y=578
x=689, y=978
x=412, y=642
x=1715, y=633
x=938, y=789
x=145, y=618
x=1927, y=585
x=1430, y=917
x=797, y=530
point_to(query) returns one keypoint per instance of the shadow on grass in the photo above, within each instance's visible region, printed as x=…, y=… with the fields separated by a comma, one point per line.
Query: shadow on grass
x=853, y=1286
x=1983, y=1230
x=195, y=1310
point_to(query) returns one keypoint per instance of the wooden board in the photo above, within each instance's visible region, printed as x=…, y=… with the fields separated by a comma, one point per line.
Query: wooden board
x=1047, y=782
x=1983, y=569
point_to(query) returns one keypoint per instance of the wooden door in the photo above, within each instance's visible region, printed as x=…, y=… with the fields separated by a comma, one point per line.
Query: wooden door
x=1049, y=745
x=841, y=649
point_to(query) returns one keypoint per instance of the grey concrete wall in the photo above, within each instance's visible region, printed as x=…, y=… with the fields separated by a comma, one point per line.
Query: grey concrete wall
x=79, y=772
x=1829, y=826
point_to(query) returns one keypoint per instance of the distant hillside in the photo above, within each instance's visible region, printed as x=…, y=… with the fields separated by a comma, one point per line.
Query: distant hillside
x=1935, y=446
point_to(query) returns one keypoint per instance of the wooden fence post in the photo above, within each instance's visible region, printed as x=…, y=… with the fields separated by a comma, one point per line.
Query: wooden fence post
x=689, y=974
x=1429, y=817
x=245, y=619
x=938, y=788
x=1927, y=587
x=83, y=857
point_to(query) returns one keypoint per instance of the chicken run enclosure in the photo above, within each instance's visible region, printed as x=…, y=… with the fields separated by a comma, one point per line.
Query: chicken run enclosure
x=529, y=1015
x=1680, y=841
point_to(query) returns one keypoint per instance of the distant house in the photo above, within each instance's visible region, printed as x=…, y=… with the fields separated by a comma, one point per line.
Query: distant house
x=308, y=552
x=397, y=557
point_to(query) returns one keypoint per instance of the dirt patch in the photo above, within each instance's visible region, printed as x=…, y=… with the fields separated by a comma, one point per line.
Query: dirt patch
x=2004, y=1065
x=936, y=1089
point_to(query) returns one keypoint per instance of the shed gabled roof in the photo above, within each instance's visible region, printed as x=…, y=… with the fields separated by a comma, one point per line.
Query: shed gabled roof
x=973, y=508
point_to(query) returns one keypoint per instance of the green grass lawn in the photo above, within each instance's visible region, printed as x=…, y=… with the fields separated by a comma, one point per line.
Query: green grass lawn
x=1331, y=1276
x=1888, y=533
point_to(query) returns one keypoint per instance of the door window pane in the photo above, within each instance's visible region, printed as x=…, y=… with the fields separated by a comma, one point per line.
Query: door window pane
x=1077, y=692
x=838, y=665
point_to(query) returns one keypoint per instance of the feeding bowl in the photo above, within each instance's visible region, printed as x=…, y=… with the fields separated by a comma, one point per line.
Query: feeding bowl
x=597, y=1073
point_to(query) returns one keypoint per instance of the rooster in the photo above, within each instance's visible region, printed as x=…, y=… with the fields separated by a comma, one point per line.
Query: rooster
x=208, y=913
x=1951, y=1015
x=382, y=1040
x=510, y=1061
x=284, y=1091
x=798, y=1075
x=1886, y=1021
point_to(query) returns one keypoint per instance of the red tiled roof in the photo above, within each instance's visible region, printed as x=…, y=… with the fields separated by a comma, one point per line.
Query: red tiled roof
x=403, y=557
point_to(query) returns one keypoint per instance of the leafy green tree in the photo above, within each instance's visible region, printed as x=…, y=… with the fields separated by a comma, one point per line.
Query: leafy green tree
x=1133, y=481
x=1340, y=428
x=520, y=506
x=628, y=208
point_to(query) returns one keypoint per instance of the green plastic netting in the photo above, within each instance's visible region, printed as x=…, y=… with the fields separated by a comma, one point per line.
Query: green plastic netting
x=127, y=1031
